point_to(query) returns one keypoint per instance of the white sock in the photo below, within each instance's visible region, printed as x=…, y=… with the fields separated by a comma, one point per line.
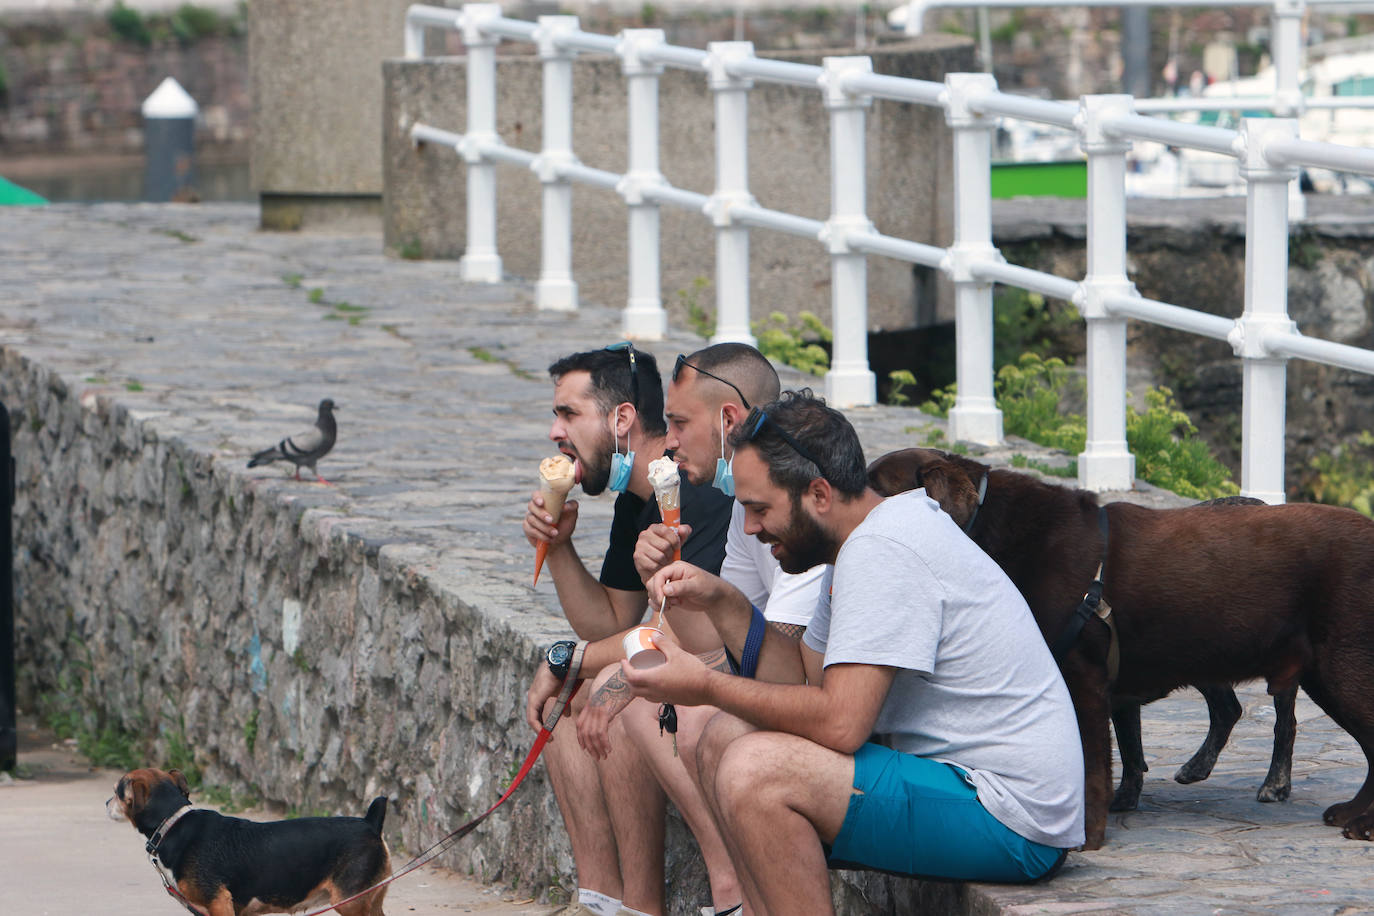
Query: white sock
x=598, y=903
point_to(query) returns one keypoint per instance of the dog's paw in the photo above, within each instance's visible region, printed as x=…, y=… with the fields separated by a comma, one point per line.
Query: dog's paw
x=1340, y=815
x=1360, y=827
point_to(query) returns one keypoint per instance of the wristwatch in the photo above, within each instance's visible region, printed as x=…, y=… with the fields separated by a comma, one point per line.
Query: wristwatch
x=560, y=657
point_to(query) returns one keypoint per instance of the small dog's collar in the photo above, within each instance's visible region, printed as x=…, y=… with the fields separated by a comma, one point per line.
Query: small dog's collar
x=164, y=828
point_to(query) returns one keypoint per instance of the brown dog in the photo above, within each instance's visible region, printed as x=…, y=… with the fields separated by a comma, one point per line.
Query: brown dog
x=233, y=867
x=1212, y=594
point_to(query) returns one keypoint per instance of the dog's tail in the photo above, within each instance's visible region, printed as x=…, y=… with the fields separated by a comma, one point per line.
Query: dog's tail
x=376, y=813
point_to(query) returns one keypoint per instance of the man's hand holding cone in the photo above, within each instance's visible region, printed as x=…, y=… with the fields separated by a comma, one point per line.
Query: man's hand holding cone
x=556, y=478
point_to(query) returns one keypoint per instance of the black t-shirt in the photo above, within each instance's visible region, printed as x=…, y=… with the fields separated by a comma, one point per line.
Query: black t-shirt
x=706, y=509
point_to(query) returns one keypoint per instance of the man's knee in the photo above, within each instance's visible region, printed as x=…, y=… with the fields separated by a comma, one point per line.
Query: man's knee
x=746, y=771
x=719, y=732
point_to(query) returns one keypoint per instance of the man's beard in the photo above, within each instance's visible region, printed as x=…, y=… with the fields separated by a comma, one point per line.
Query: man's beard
x=596, y=466
x=804, y=543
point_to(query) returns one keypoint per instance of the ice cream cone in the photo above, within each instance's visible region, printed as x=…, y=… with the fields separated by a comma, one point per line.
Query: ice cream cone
x=667, y=484
x=556, y=477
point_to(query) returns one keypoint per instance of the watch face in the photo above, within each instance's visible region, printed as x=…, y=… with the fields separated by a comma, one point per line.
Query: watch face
x=560, y=653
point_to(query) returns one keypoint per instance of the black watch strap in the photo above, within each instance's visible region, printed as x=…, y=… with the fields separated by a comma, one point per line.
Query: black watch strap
x=564, y=650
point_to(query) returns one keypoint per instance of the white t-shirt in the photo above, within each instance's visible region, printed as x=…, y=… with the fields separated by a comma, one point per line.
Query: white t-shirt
x=751, y=567
x=977, y=686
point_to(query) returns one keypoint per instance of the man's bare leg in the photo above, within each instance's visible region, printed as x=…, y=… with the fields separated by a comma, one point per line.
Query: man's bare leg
x=577, y=786
x=780, y=797
x=635, y=803
x=719, y=731
x=639, y=724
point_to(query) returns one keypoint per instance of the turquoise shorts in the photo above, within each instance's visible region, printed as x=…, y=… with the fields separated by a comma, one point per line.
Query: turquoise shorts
x=914, y=816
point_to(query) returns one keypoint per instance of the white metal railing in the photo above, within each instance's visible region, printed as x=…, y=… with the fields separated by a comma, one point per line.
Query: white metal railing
x=1267, y=149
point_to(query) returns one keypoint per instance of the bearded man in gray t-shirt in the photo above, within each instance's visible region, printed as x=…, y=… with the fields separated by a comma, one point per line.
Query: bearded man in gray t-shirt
x=921, y=727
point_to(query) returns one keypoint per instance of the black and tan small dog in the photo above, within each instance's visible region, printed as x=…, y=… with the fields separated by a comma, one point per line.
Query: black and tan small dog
x=228, y=866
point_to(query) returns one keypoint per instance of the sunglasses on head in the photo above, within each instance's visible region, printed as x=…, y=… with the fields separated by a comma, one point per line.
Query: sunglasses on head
x=682, y=361
x=629, y=349
x=757, y=419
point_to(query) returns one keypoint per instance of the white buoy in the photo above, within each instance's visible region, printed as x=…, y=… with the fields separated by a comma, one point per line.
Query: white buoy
x=169, y=121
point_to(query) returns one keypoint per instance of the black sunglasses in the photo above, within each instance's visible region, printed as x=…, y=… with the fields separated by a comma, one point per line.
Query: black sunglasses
x=682, y=361
x=629, y=348
x=756, y=420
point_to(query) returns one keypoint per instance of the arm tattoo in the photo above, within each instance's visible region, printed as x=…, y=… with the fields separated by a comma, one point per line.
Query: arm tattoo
x=715, y=660
x=790, y=630
x=614, y=693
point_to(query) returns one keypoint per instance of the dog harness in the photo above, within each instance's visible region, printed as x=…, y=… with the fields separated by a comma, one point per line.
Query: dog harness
x=1092, y=605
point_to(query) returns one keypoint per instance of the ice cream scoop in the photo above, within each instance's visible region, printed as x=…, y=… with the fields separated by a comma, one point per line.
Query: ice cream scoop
x=556, y=477
x=667, y=484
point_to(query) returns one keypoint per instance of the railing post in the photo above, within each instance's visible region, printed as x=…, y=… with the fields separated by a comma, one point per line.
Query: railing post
x=556, y=289
x=975, y=416
x=1286, y=41
x=1106, y=462
x=849, y=383
x=644, y=316
x=1263, y=413
x=732, y=187
x=480, y=262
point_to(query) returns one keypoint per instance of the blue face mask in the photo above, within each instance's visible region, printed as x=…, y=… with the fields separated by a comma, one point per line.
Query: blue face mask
x=725, y=471
x=621, y=465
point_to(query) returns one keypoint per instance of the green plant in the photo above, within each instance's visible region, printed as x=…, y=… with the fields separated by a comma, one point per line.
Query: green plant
x=190, y=23
x=1345, y=477
x=411, y=249
x=129, y=25
x=250, y=731
x=1044, y=467
x=1024, y=322
x=1164, y=440
x=483, y=354
x=1168, y=452
x=133, y=385
x=901, y=379
x=699, y=318
x=316, y=295
x=181, y=756
x=292, y=280
x=797, y=345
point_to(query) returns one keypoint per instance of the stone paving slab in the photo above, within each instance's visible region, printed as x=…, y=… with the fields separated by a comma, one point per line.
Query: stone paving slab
x=207, y=329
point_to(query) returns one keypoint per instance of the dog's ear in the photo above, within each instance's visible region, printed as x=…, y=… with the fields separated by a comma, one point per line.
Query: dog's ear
x=134, y=795
x=948, y=485
x=179, y=780
x=896, y=472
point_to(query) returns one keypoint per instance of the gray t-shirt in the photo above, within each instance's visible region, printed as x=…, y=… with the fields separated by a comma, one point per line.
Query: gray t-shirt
x=978, y=687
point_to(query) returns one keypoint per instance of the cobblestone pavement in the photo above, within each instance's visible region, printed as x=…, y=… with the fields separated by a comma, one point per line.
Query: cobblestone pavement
x=213, y=331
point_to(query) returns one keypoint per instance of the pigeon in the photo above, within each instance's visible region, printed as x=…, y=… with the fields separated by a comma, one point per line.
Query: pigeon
x=306, y=447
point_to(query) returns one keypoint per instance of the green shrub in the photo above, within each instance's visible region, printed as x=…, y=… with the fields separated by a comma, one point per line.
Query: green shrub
x=190, y=23
x=797, y=345
x=900, y=380
x=1345, y=477
x=1163, y=439
x=129, y=25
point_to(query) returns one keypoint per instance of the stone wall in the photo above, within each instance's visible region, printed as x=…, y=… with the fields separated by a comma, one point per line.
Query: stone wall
x=909, y=178
x=68, y=85
x=300, y=663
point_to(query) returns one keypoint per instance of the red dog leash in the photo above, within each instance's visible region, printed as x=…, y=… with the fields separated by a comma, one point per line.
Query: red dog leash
x=571, y=684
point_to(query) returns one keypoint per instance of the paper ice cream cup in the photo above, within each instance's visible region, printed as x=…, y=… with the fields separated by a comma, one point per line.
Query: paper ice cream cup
x=640, y=650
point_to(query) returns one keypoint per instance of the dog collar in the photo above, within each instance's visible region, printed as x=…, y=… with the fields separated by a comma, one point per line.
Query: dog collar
x=982, y=492
x=164, y=828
